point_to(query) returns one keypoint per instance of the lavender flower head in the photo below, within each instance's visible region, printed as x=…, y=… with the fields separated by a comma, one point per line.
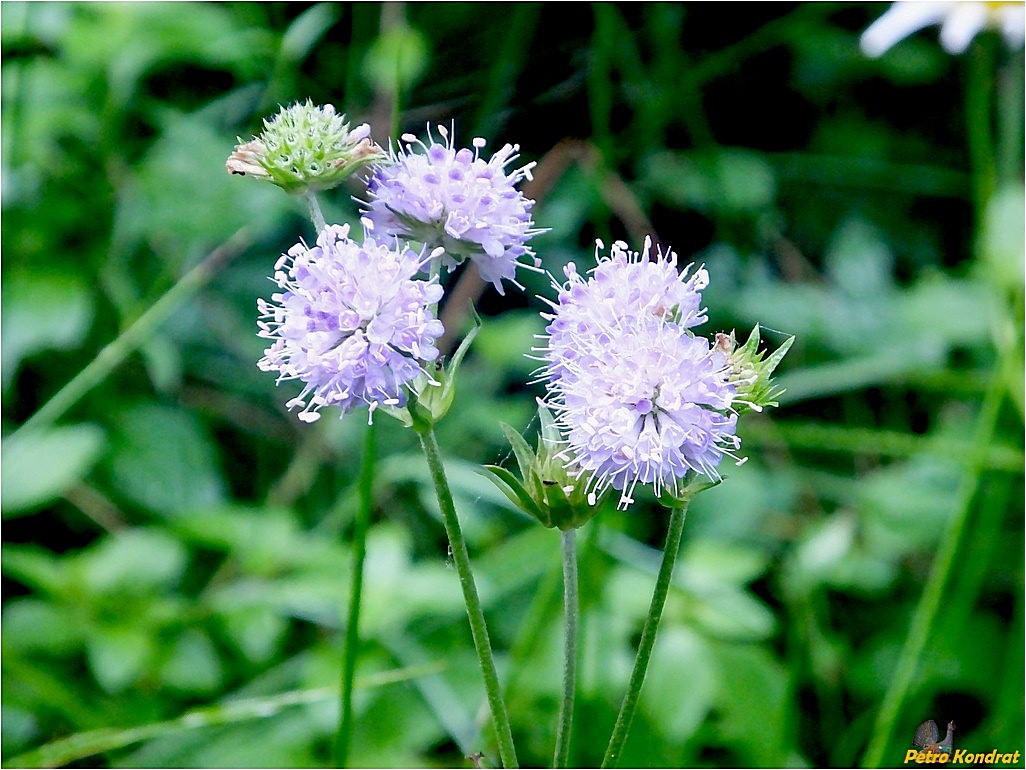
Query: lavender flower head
x=350, y=322
x=455, y=199
x=638, y=397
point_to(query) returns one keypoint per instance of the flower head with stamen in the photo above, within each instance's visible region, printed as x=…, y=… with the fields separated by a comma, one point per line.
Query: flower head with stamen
x=639, y=398
x=624, y=283
x=455, y=199
x=350, y=322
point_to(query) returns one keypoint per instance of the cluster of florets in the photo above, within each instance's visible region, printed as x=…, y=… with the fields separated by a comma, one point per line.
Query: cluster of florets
x=352, y=322
x=305, y=147
x=456, y=199
x=639, y=397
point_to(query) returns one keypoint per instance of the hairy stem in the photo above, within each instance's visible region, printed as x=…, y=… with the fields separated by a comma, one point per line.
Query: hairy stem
x=314, y=209
x=648, y=634
x=475, y=612
x=570, y=602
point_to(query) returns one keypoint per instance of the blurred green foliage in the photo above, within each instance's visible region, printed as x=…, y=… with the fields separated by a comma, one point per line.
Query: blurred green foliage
x=175, y=557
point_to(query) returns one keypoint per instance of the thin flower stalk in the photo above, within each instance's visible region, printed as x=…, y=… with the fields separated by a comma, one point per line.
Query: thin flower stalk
x=648, y=635
x=475, y=611
x=564, y=727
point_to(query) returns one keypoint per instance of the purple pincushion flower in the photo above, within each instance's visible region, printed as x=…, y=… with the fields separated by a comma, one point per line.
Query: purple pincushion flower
x=455, y=199
x=623, y=284
x=638, y=397
x=350, y=322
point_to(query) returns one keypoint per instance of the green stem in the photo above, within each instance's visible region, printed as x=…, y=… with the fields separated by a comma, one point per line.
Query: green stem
x=111, y=356
x=648, y=634
x=314, y=209
x=361, y=524
x=570, y=602
x=475, y=612
x=980, y=122
x=933, y=593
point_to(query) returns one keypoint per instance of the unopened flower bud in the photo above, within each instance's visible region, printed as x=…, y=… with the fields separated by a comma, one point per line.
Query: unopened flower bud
x=305, y=148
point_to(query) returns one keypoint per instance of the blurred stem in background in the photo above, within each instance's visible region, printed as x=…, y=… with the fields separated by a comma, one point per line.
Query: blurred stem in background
x=987, y=128
x=928, y=609
x=135, y=335
x=648, y=634
x=361, y=523
x=980, y=122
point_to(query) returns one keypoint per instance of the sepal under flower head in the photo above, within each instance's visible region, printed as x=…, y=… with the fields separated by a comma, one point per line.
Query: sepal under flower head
x=639, y=398
x=455, y=199
x=750, y=370
x=437, y=390
x=350, y=322
x=305, y=148
x=548, y=489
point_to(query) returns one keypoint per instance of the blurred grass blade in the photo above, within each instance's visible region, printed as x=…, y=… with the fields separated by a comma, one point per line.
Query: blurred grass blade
x=81, y=745
x=111, y=356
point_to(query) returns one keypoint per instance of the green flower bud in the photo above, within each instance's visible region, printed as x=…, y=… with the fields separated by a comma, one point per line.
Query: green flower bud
x=751, y=370
x=548, y=489
x=305, y=148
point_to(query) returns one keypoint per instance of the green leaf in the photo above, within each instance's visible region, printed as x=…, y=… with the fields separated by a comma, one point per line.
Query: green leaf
x=732, y=614
x=19, y=727
x=256, y=631
x=35, y=567
x=165, y=460
x=135, y=560
x=118, y=656
x=35, y=626
x=1002, y=241
x=682, y=662
x=307, y=30
x=505, y=343
x=39, y=466
x=193, y=666
x=727, y=181
x=396, y=59
x=753, y=705
x=42, y=311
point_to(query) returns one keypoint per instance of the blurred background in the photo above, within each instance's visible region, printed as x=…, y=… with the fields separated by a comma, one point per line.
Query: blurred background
x=176, y=546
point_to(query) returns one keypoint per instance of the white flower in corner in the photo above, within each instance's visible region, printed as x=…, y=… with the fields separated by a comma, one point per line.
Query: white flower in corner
x=960, y=20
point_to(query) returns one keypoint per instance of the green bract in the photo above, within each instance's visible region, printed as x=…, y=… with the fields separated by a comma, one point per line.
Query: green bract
x=432, y=394
x=751, y=370
x=305, y=148
x=547, y=490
